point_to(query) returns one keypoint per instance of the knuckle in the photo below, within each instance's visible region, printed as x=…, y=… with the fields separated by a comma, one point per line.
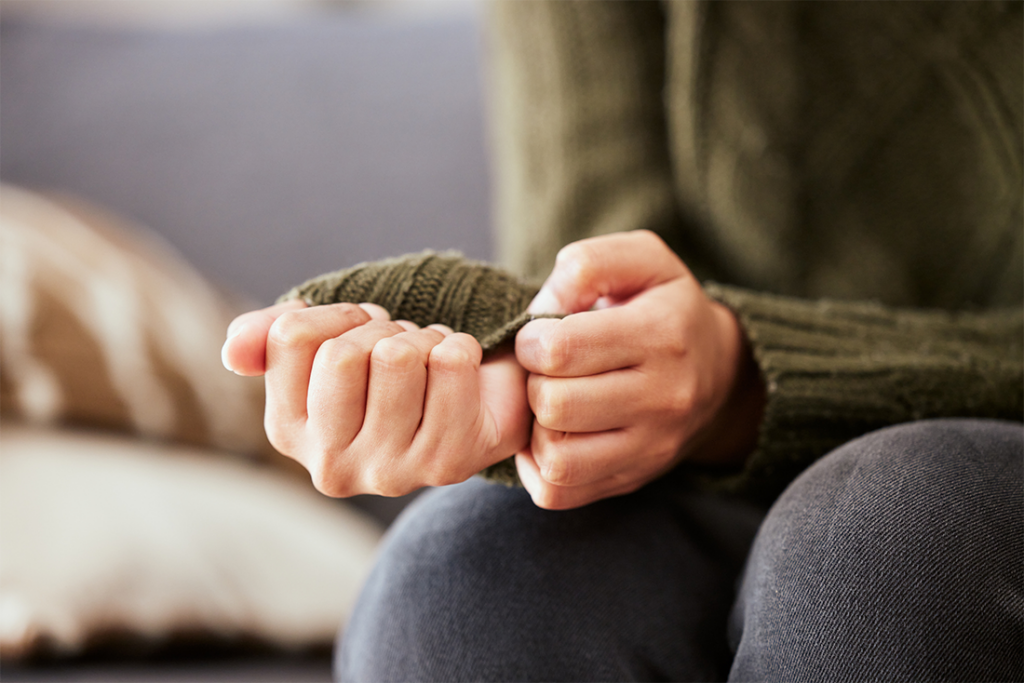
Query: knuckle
x=292, y=329
x=557, y=471
x=280, y=437
x=326, y=472
x=316, y=464
x=581, y=261
x=670, y=340
x=369, y=480
x=432, y=335
x=381, y=484
x=451, y=357
x=550, y=405
x=324, y=480
x=556, y=350
x=394, y=352
x=682, y=402
x=339, y=353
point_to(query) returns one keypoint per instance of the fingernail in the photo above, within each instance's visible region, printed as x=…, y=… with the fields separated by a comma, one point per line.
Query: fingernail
x=376, y=312
x=544, y=302
x=407, y=325
x=224, y=349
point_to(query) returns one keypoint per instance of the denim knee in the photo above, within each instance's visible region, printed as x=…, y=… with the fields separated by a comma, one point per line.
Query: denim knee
x=896, y=557
x=428, y=585
x=474, y=582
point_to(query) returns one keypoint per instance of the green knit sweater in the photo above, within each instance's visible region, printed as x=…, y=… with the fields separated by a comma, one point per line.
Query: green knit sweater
x=428, y=288
x=853, y=171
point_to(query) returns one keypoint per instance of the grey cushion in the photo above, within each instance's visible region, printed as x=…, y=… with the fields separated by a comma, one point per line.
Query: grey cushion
x=266, y=154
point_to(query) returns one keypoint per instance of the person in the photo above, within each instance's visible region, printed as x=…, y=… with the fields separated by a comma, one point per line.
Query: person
x=811, y=472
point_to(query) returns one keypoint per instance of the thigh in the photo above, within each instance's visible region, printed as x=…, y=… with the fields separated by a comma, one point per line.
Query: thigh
x=896, y=557
x=476, y=583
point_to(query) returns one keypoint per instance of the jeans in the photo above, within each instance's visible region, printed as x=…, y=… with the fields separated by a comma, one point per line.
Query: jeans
x=899, y=556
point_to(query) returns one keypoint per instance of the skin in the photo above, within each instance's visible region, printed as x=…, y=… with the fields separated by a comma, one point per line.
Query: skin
x=644, y=372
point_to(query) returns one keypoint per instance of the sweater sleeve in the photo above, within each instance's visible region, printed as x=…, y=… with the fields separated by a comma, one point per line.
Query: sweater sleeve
x=835, y=370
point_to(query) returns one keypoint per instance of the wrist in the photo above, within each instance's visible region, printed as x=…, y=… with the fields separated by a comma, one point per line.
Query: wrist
x=732, y=435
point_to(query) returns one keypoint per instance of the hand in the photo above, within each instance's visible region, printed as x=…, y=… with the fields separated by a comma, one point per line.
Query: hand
x=646, y=371
x=368, y=405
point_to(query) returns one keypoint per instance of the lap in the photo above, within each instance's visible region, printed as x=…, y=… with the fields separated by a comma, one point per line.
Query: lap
x=637, y=587
x=899, y=555
x=864, y=551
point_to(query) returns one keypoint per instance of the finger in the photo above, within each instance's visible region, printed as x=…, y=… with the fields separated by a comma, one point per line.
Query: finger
x=577, y=459
x=474, y=414
x=336, y=399
x=292, y=343
x=654, y=322
x=244, y=351
x=376, y=312
x=613, y=266
x=552, y=497
x=451, y=408
x=586, y=343
x=397, y=386
x=589, y=404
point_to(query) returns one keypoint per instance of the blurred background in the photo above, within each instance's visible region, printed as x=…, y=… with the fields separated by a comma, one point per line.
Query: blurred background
x=211, y=12
x=225, y=150
x=268, y=140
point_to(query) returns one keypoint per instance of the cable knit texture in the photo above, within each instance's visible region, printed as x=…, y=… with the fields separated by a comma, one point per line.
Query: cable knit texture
x=430, y=288
x=835, y=370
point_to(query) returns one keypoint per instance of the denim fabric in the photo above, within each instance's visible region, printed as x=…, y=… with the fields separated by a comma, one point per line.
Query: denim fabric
x=900, y=556
x=897, y=556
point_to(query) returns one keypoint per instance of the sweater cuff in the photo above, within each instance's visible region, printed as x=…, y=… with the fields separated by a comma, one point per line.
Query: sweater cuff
x=836, y=370
x=430, y=287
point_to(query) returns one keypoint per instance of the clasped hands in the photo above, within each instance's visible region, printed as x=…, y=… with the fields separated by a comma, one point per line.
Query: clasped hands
x=643, y=372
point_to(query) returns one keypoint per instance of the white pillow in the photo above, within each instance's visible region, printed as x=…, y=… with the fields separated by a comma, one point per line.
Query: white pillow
x=102, y=534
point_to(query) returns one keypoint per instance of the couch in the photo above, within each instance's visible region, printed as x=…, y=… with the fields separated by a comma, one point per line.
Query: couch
x=156, y=182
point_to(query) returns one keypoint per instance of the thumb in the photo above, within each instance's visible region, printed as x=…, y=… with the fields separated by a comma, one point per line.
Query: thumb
x=245, y=348
x=611, y=267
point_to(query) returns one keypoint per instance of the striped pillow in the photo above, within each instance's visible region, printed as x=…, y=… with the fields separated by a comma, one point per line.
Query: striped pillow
x=103, y=324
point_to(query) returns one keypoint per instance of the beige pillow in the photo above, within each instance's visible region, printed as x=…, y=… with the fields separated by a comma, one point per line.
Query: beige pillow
x=102, y=323
x=106, y=535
